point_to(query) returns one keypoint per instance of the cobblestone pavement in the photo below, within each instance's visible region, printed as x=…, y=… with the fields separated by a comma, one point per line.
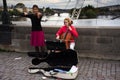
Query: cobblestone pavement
x=13, y=66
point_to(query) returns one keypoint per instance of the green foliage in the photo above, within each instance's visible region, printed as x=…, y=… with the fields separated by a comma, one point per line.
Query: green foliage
x=87, y=12
x=19, y=5
x=15, y=12
x=88, y=7
x=90, y=13
x=49, y=11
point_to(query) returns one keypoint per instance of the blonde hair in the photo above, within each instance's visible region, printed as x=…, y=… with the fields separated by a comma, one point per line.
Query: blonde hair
x=69, y=21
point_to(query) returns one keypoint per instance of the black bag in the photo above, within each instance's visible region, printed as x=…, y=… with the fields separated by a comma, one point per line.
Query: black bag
x=64, y=58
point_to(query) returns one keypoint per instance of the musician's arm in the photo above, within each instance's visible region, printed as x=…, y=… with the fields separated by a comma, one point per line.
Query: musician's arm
x=73, y=31
x=59, y=33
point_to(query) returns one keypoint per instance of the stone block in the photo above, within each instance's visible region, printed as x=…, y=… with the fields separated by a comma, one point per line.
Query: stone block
x=104, y=40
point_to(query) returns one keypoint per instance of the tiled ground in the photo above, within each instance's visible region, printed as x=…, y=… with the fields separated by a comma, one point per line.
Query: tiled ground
x=13, y=66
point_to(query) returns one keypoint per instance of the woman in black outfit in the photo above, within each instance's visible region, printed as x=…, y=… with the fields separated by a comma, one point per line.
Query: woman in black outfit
x=37, y=34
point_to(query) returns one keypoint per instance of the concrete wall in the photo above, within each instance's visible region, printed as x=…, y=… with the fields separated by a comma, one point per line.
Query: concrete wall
x=92, y=42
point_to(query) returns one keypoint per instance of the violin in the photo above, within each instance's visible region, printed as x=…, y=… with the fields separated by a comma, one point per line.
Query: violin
x=66, y=37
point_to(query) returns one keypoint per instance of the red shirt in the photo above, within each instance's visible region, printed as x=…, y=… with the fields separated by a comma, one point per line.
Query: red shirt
x=63, y=29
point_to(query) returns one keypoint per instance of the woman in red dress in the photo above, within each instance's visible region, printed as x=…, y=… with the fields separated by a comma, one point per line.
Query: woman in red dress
x=37, y=34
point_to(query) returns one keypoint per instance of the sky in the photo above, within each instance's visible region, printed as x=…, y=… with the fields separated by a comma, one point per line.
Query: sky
x=62, y=4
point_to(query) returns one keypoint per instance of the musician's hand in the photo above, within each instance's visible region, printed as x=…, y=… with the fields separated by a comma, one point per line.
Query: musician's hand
x=70, y=28
x=25, y=13
x=39, y=13
x=57, y=37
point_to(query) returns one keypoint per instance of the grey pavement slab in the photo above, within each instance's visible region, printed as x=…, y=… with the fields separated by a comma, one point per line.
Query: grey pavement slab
x=14, y=66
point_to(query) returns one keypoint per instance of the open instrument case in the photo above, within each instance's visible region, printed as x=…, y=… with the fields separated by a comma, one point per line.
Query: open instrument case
x=62, y=62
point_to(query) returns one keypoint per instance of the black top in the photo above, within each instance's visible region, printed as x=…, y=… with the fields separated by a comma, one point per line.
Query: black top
x=36, y=22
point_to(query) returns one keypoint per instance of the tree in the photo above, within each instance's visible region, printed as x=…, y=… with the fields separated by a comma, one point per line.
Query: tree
x=15, y=12
x=88, y=12
x=49, y=11
x=19, y=5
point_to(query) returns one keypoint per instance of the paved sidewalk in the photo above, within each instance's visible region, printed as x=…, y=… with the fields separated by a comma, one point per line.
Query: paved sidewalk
x=13, y=66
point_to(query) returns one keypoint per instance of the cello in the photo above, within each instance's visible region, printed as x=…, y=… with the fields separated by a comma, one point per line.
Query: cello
x=66, y=37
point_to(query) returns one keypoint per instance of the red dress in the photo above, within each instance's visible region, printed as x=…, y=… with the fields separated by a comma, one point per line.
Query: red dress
x=37, y=35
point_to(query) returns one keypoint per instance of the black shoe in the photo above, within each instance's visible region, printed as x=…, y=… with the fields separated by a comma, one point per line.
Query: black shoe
x=38, y=54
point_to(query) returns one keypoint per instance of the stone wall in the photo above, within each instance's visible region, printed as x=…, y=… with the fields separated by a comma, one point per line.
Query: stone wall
x=92, y=42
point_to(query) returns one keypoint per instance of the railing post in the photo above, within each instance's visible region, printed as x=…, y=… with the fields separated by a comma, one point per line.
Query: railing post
x=6, y=26
x=5, y=14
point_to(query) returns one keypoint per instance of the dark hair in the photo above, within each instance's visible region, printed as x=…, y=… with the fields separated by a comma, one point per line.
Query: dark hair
x=35, y=6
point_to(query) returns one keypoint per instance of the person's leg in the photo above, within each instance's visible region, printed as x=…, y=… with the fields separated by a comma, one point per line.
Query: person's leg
x=43, y=52
x=37, y=49
x=72, y=45
x=42, y=49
